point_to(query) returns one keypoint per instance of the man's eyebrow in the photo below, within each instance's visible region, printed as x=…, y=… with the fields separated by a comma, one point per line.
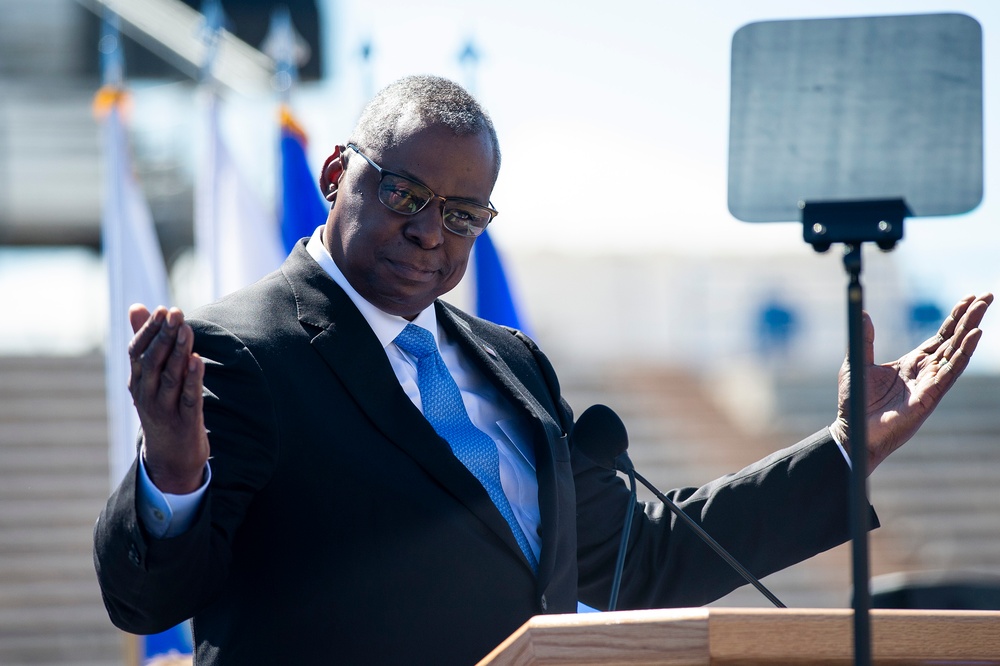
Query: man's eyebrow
x=407, y=174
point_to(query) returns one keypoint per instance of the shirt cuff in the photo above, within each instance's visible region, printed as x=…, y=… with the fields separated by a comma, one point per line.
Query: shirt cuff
x=840, y=446
x=163, y=514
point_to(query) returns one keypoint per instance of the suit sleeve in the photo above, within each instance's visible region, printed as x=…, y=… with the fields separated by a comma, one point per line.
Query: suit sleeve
x=150, y=585
x=781, y=510
x=774, y=513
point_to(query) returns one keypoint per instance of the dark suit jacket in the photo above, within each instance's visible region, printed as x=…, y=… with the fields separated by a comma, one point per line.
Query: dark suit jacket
x=339, y=528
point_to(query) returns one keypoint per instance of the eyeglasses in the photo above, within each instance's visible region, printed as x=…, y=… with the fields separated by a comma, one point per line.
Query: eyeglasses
x=408, y=197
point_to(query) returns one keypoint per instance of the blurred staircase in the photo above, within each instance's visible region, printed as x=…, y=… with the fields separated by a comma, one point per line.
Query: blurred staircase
x=53, y=484
x=936, y=497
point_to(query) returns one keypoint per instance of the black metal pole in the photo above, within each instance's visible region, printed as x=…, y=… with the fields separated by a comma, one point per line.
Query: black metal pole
x=859, y=457
x=616, y=582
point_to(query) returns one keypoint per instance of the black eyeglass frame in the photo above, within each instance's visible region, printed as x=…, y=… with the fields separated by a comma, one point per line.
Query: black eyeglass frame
x=467, y=231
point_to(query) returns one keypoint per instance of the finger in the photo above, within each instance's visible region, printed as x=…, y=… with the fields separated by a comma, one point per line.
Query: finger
x=137, y=316
x=947, y=328
x=176, y=363
x=194, y=377
x=145, y=326
x=952, y=368
x=868, y=332
x=973, y=316
x=154, y=358
x=969, y=322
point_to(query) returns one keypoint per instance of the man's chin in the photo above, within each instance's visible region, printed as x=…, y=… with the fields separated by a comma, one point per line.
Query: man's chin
x=407, y=307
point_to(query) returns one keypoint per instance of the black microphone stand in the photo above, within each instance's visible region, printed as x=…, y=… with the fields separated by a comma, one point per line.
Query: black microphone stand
x=853, y=223
x=616, y=583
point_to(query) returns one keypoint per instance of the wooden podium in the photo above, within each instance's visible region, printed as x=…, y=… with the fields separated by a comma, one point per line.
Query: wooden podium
x=750, y=637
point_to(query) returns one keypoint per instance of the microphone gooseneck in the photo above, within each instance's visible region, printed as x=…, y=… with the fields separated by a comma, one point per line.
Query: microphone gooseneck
x=601, y=435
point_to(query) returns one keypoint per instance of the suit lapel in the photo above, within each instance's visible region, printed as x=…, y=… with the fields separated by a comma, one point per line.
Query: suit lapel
x=488, y=360
x=544, y=428
x=346, y=343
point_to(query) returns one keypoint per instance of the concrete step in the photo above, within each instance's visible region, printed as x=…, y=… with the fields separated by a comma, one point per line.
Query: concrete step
x=56, y=458
x=44, y=538
x=30, y=409
x=20, y=568
x=85, y=648
x=91, y=431
x=65, y=616
x=49, y=593
x=59, y=483
x=54, y=512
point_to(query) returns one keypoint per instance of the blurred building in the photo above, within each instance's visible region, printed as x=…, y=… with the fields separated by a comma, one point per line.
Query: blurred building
x=49, y=71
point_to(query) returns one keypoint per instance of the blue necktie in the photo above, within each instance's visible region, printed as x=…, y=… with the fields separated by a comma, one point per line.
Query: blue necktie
x=444, y=409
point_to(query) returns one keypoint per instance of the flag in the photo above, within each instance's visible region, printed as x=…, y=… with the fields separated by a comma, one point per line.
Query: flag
x=303, y=207
x=494, y=297
x=136, y=274
x=236, y=238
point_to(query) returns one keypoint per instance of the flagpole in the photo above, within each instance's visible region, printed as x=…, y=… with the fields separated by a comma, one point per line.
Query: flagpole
x=133, y=261
x=112, y=75
x=206, y=188
x=494, y=297
x=302, y=207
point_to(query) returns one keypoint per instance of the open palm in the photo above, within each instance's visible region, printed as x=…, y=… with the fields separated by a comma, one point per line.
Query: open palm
x=902, y=394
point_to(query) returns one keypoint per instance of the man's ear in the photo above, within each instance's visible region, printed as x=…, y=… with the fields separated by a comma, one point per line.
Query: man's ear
x=329, y=177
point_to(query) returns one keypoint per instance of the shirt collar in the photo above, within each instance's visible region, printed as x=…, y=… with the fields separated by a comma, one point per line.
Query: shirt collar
x=385, y=326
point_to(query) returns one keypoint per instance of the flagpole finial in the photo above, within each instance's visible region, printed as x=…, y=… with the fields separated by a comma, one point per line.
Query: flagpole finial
x=366, y=52
x=214, y=19
x=287, y=48
x=110, y=49
x=469, y=59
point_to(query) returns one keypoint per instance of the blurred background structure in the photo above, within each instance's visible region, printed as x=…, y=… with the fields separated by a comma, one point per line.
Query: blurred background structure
x=717, y=341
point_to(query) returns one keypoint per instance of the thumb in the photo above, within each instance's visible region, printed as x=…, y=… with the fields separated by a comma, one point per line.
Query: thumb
x=868, y=332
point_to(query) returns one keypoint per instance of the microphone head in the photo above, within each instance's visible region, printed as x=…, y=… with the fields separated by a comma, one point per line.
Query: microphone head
x=600, y=434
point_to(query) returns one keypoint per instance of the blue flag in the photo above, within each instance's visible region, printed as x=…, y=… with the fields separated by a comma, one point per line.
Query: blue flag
x=494, y=298
x=302, y=206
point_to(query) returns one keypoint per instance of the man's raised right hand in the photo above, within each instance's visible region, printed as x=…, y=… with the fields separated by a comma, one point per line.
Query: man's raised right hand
x=166, y=385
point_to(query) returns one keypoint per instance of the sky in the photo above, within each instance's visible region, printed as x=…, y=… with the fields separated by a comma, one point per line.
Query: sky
x=596, y=102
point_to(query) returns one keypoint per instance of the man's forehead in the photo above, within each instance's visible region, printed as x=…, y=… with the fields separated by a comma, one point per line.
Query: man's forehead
x=409, y=123
x=412, y=128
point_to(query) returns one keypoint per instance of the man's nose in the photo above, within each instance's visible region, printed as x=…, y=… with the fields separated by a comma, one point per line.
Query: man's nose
x=426, y=228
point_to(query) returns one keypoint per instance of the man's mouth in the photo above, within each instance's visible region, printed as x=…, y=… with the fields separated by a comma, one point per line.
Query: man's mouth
x=412, y=271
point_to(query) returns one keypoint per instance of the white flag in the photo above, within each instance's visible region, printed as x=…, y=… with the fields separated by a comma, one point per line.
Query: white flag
x=136, y=274
x=236, y=240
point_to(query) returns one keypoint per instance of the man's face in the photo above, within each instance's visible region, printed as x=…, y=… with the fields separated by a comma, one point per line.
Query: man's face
x=402, y=263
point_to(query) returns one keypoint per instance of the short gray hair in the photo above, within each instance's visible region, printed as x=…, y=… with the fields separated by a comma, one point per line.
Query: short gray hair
x=433, y=99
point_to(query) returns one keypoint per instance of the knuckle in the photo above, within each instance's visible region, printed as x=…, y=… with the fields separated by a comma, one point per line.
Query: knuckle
x=169, y=381
x=147, y=360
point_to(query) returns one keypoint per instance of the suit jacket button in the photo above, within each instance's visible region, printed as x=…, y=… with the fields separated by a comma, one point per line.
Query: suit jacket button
x=133, y=555
x=545, y=603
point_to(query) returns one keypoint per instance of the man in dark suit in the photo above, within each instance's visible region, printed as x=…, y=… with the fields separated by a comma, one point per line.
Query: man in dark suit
x=298, y=496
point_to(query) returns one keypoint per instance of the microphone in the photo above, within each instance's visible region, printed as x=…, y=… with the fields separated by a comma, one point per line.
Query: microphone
x=600, y=434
